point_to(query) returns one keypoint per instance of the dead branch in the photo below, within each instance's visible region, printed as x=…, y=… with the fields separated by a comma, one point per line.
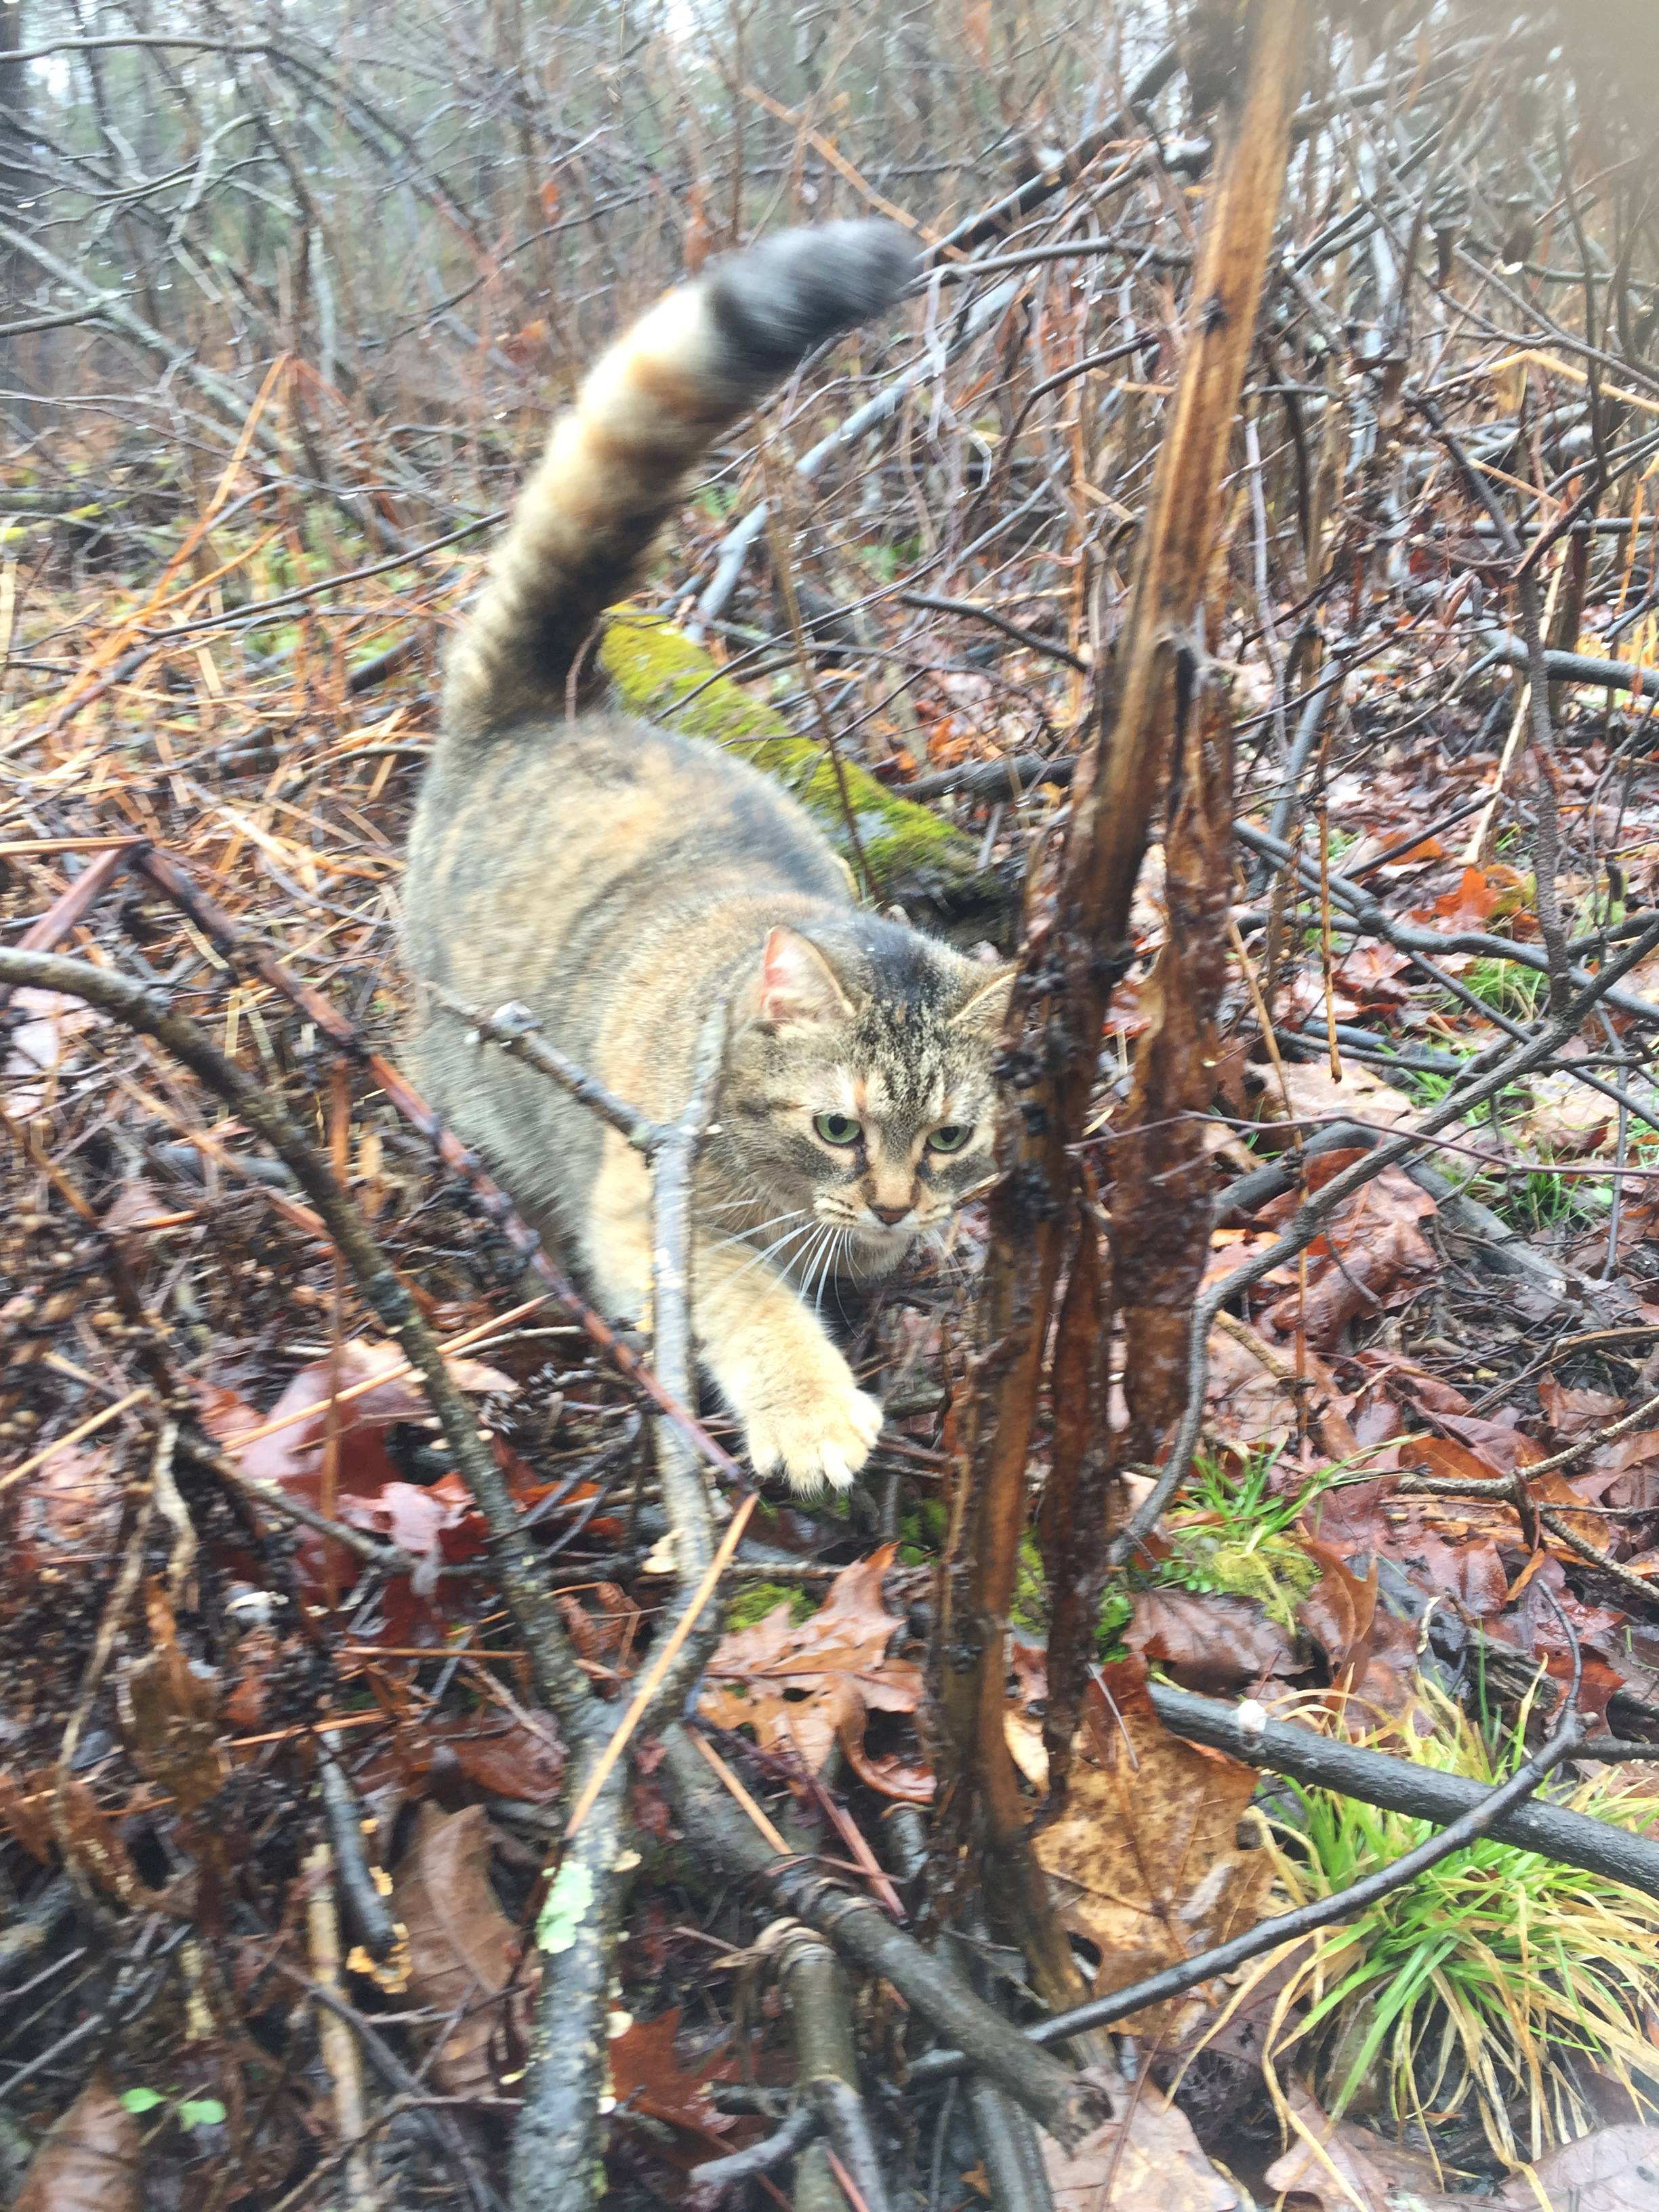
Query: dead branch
x=1056, y=2099
x=561, y=1679
x=1076, y=949
x=1294, y=1927
x=1324, y=1763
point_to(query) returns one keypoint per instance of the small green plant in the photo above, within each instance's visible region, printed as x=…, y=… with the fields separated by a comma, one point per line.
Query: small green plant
x=1232, y=1534
x=1495, y=1983
x=1541, y=1200
x=188, y=2111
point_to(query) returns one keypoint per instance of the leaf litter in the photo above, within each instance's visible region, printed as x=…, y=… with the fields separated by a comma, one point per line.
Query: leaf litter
x=1397, y=1346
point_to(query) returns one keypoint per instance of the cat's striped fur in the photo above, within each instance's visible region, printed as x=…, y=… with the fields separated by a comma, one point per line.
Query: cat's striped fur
x=618, y=879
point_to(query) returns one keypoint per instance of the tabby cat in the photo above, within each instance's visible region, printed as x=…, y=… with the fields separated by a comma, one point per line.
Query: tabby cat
x=617, y=879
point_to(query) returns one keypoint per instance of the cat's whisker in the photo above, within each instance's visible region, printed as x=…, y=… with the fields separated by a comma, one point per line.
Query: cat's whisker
x=788, y=1237
x=836, y=1238
x=818, y=1252
x=740, y=1235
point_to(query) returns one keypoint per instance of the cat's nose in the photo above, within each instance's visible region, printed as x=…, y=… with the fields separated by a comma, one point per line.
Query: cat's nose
x=891, y=1214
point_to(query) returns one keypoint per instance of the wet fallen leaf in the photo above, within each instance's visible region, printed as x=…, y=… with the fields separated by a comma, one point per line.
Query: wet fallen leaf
x=462, y=1951
x=1338, y=2165
x=1615, y=2170
x=1316, y=1096
x=1339, y=1610
x=1372, y=1257
x=647, y=2077
x=90, y=1838
x=501, y=1756
x=1146, y=1857
x=1145, y=2159
x=90, y=2161
x=42, y=1047
x=436, y=1522
x=1250, y=1403
x=1564, y=1118
x=68, y=1512
x=800, y=1688
x=26, y=1810
x=1209, y=1641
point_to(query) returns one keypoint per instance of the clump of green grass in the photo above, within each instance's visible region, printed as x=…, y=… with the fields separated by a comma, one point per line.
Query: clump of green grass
x=1493, y=1984
x=1507, y=989
x=1231, y=1535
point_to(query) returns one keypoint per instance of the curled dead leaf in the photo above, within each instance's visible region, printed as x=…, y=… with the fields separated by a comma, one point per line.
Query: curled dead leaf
x=463, y=1951
x=169, y=1710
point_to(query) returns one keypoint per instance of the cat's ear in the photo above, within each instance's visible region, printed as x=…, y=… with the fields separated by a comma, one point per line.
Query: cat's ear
x=985, y=1009
x=796, y=983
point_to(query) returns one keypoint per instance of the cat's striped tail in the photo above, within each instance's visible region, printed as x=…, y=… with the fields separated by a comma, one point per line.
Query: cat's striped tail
x=616, y=462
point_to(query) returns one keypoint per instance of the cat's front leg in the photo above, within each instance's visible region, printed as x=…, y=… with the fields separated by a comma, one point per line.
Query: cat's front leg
x=801, y=1409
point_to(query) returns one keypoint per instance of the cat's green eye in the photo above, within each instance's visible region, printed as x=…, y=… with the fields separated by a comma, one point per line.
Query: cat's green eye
x=837, y=1128
x=951, y=1138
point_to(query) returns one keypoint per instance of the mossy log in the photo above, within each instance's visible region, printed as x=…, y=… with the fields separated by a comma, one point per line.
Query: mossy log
x=923, y=863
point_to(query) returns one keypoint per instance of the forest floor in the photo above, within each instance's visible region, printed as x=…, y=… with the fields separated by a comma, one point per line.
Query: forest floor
x=277, y=1792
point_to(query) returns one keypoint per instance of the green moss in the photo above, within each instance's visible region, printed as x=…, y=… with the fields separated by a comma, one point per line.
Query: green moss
x=655, y=667
x=752, y=1605
x=1029, y=1609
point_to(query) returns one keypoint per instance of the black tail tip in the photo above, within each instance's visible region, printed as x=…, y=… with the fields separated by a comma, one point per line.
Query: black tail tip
x=779, y=299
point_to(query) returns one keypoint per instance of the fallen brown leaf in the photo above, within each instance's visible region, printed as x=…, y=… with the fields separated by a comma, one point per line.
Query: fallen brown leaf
x=501, y=1756
x=169, y=1710
x=800, y=1687
x=647, y=2077
x=1210, y=1641
x=90, y=2162
x=1145, y=2159
x=1339, y=1610
x=1615, y=2170
x=1314, y=1095
x=1146, y=1857
x=42, y=1047
x=1340, y=2166
x=462, y=1950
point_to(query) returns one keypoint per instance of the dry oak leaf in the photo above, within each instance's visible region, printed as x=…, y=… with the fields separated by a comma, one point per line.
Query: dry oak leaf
x=463, y=1950
x=1146, y=1857
x=802, y=1686
x=1615, y=2170
x=90, y=2162
x=1145, y=2159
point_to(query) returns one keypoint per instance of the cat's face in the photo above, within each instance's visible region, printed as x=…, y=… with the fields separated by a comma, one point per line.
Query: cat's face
x=857, y=1102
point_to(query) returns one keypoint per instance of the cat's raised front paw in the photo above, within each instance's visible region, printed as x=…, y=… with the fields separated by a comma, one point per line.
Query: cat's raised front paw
x=824, y=1434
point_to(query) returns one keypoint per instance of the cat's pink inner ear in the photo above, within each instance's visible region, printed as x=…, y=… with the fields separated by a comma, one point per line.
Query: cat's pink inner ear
x=797, y=983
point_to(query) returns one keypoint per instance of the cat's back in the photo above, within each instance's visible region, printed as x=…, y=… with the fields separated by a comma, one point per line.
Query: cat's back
x=560, y=836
